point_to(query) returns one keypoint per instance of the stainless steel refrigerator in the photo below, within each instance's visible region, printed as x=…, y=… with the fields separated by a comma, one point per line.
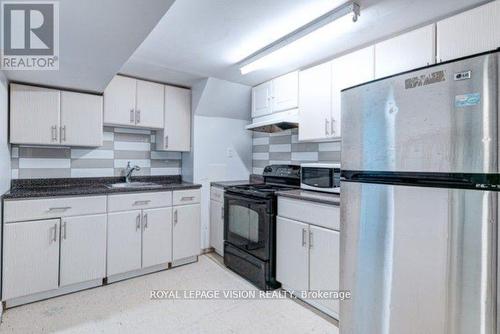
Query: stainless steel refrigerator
x=419, y=201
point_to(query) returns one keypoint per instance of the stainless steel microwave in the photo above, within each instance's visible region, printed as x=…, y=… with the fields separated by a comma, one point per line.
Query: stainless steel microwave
x=320, y=177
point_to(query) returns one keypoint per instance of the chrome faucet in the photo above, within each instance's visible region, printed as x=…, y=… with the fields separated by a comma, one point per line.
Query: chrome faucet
x=129, y=170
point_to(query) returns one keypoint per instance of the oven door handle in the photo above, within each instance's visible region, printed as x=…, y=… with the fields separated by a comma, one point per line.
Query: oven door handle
x=246, y=199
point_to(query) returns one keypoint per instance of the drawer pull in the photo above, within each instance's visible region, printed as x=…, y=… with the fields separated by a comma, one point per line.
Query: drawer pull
x=142, y=202
x=187, y=198
x=64, y=208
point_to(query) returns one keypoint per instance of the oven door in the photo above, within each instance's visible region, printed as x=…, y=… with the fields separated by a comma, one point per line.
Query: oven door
x=247, y=223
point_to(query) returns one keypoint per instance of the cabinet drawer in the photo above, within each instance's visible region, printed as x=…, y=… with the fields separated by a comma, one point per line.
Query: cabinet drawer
x=30, y=209
x=310, y=212
x=183, y=197
x=137, y=201
x=217, y=194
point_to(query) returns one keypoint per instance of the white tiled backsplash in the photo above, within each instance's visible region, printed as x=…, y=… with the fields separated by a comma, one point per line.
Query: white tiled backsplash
x=119, y=147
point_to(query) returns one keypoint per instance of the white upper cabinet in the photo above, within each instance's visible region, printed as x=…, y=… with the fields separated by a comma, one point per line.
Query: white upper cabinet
x=406, y=52
x=176, y=135
x=277, y=95
x=261, y=100
x=34, y=115
x=468, y=33
x=133, y=103
x=119, y=101
x=42, y=116
x=347, y=71
x=150, y=103
x=81, y=119
x=315, y=102
x=285, y=92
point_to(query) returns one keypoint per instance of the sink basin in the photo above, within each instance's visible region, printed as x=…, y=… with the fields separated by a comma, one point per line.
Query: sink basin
x=133, y=185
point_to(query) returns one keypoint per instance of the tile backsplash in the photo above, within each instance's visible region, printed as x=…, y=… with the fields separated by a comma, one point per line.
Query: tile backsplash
x=119, y=146
x=284, y=148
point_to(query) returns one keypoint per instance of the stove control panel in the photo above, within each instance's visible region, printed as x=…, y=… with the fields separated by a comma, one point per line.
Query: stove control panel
x=292, y=171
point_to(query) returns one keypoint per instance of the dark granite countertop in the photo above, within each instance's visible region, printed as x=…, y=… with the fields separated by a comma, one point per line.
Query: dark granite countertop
x=30, y=188
x=313, y=196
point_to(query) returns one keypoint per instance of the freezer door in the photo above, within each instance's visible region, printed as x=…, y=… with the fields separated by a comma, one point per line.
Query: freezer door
x=440, y=119
x=417, y=260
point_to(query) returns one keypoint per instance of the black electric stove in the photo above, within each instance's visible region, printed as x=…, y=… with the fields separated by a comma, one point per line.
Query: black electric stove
x=250, y=225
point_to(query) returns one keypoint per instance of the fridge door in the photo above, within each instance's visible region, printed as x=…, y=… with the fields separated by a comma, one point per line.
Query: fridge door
x=417, y=260
x=442, y=119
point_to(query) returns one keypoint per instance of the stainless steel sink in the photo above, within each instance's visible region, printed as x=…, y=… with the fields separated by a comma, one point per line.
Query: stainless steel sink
x=133, y=185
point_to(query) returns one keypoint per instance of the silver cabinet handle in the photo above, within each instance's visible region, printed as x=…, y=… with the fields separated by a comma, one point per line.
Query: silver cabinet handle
x=63, y=208
x=326, y=127
x=53, y=130
x=54, y=239
x=132, y=116
x=138, y=222
x=175, y=216
x=142, y=202
x=145, y=220
x=64, y=230
x=332, y=126
x=222, y=213
x=63, y=133
x=137, y=116
x=304, y=242
x=310, y=239
x=166, y=141
x=187, y=198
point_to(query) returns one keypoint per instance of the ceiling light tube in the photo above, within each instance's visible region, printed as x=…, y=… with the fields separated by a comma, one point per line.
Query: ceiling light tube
x=251, y=63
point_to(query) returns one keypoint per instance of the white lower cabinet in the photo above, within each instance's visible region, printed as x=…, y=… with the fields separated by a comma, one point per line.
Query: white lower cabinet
x=124, y=242
x=324, y=260
x=292, y=254
x=307, y=259
x=83, y=246
x=156, y=236
x=30, y=258
x=186, y=232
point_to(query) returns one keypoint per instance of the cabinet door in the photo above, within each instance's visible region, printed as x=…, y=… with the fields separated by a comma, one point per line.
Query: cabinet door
x=347, y=71
x=468, y=33
x=81, y=119
x=292, y=254
x=124, y=242
x=177, y=128
x=83, y=249
x=34, y=115
x=315, y=102
x=156, y=236
x=406, y=52
x=119, y=101
x=324, y=257
x=30, y=258
x=217, y=226
x=150, y=104
x=186, y=232
x=286, y=92
x=261, y=99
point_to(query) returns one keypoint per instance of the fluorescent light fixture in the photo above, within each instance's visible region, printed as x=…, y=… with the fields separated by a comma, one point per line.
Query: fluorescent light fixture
x=328, y=25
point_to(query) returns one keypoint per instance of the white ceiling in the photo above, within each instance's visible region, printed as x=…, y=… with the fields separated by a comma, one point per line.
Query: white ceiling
x=197, y=39
x=96, y=38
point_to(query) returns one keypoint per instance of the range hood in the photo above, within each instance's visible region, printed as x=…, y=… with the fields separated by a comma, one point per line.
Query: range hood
x=276, y=122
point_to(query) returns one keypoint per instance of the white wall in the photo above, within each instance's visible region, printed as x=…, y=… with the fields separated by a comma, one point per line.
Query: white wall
x=222, y=148
x=4, y=146
x=4, y=141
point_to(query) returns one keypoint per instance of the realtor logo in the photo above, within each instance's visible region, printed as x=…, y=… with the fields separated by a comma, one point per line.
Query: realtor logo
x=30, y=35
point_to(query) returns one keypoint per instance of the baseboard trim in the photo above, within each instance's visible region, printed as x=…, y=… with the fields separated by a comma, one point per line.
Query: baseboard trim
x=184, y=261
x=52, y=293
x=136, y=273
